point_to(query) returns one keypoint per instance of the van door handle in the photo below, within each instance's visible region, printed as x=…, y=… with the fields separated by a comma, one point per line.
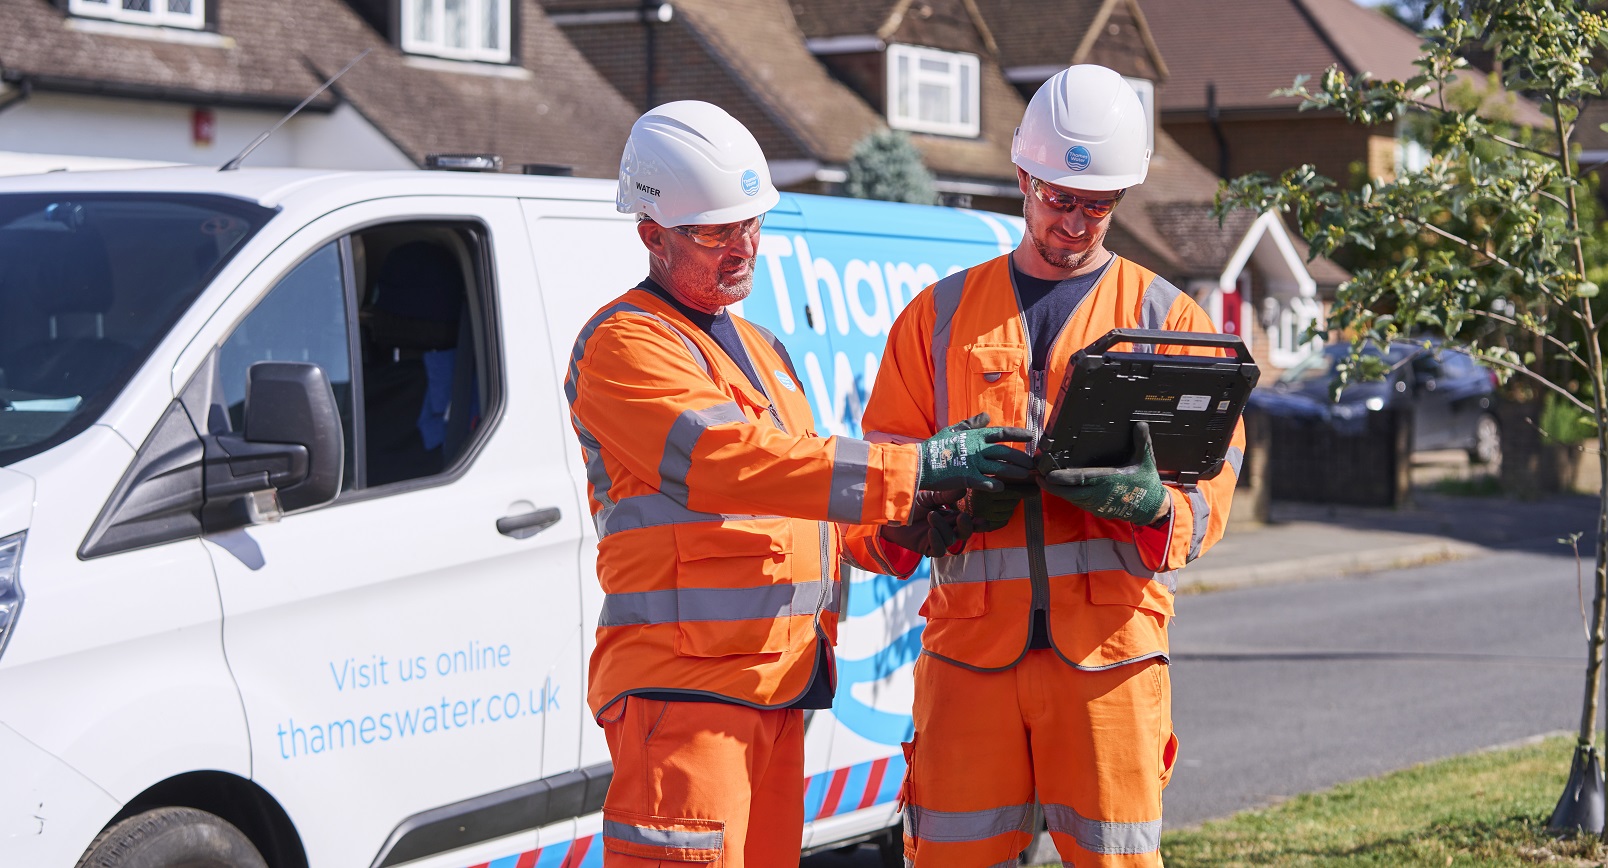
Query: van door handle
x=529, y=524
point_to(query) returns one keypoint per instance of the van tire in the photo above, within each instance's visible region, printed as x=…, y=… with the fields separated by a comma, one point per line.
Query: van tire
x=172, y=837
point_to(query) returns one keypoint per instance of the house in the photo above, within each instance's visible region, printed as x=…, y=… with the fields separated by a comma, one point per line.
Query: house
x=195, y=81
x=1249, y=272
x=1227, y=59
x=812, y=79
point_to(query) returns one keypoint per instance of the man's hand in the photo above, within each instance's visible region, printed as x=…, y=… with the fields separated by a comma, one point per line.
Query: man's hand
x=935, y=525
x=968, y=455
x=993, y=510
x=1133, y=492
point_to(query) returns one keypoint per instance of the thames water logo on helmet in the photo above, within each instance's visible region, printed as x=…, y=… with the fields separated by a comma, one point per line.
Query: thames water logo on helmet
x=1078, y=158
x=750, y=182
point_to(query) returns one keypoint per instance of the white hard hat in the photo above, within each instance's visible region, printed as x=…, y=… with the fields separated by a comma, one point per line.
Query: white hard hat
x=691, y=162
x=1084, y=129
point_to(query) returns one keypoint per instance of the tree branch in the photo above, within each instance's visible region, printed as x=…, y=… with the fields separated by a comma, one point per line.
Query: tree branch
x=1550, y=338
x=1520, y=369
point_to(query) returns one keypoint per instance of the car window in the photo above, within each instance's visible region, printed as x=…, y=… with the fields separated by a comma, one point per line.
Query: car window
x=396, y=315
x=302, y=319
x=89, y=284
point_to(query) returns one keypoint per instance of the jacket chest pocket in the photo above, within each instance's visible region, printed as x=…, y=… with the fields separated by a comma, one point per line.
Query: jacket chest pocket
x=734, y=592
x=995, y=382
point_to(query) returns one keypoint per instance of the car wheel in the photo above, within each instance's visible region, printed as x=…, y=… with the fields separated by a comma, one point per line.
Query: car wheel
x=890, y=846
x=172, y=836
x=1487, y=448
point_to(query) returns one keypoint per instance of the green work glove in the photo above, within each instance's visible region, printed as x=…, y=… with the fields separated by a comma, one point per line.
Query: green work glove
x=968, y=455
x=935, y=525
x=1132, y=493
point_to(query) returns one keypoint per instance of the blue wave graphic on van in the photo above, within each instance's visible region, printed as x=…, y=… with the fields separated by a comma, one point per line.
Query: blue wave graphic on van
x=831, y=278
x=873, y=724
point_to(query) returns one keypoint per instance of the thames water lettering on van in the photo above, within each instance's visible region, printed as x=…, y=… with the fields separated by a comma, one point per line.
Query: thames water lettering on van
x=293, y=536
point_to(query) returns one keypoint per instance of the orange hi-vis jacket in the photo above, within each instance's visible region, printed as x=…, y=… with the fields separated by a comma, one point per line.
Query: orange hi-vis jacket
x=716, y=507
x=961, y=347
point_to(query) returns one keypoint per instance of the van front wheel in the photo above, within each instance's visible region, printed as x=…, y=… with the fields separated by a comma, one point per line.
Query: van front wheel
x=172, y=836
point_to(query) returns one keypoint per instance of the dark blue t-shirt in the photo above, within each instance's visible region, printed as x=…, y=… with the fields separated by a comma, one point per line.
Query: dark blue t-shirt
x=720, y=327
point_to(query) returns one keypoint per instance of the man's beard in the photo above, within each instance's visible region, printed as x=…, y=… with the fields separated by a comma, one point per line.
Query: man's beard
x=711, y=290
x=1066, y=259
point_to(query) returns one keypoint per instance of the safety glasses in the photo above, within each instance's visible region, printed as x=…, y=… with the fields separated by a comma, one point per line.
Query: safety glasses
x=1066, y=203
x=719, y=234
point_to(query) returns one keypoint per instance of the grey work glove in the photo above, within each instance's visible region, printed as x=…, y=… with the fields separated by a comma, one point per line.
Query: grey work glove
x=969, y=455
x=935, y=527
x=1133, y=492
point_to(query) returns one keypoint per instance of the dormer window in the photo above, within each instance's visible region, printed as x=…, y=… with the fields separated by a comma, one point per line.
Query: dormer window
x=166, y=13
x=459, y=29
x=932, y=91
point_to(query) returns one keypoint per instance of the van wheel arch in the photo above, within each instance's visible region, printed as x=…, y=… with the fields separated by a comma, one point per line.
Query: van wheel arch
x=240, y=802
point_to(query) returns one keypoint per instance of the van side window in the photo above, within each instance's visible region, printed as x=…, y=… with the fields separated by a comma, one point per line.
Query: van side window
x=396, y=316
x=302, y=319
x=421, y=316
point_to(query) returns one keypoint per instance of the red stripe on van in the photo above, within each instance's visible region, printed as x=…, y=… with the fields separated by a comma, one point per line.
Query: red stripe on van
x=577, y=853
x=873, y=784
x=834, y=794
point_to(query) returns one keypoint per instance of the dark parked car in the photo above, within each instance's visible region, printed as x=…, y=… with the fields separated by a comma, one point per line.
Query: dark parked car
x=1449, y=395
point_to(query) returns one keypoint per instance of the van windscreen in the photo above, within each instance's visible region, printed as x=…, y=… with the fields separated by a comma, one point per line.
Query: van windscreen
x=89, y=284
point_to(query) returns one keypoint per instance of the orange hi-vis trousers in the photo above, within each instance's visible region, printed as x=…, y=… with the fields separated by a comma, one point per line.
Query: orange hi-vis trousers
x=1095, y=747
x=703, y=783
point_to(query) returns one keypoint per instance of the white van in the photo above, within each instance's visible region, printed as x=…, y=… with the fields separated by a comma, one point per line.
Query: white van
x=295, y=560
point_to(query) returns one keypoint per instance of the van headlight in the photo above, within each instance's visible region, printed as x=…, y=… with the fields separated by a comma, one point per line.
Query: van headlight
x=1375, y=403
x=10, y=585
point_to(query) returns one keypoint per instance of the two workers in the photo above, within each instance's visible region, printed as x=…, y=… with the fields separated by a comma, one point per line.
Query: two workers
x=721, y=518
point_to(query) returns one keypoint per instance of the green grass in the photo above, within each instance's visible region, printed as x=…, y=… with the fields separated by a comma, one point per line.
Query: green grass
x=1486, y=809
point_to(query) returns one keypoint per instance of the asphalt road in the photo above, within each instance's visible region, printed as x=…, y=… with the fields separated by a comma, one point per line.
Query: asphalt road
x=1284, y=690
x=1288, y=689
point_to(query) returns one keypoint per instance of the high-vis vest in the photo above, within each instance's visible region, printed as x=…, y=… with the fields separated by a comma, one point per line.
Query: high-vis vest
x=715, y=505
x=961, y=347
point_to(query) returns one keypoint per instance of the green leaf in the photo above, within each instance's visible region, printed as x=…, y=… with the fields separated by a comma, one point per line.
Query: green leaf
x=1586, y=290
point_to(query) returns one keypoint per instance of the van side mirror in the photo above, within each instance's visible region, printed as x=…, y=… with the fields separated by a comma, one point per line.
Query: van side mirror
x=289, y=456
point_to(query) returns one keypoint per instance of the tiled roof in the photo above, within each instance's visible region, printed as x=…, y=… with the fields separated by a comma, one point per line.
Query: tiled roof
x=552, y=108
x=1028, y=37
x=1250, y=48
x=818, y=18
x=1171, y=214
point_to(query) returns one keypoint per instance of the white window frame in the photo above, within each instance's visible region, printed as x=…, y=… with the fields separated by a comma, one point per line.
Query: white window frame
x=436, y=46
x=912, y=87
x=1146, y=90
x=112, y=10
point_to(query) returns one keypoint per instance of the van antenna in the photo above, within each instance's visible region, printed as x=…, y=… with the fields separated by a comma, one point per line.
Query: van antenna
x=240, y=157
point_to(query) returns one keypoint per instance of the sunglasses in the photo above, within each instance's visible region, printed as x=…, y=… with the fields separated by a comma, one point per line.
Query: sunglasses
x=1066, y=203
x=719, y=234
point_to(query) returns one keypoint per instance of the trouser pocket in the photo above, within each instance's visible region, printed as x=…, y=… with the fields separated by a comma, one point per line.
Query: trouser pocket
x=643, y=840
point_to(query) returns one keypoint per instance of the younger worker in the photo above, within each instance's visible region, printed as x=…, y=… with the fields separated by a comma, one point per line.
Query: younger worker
x=716, y=508
x=1051, y=624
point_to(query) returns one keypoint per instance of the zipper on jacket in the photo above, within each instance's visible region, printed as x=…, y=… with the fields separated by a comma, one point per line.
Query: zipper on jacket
x=1033, y=507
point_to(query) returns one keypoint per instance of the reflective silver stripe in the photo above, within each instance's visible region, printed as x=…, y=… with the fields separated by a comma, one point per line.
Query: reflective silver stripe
x=1202, y=511
x=596, y=473
x=1235, y=459
x=1061, y=559
x=683, y=437
x=681, y=605
x=683, y=839
x=653, y=510
x=1158, y=300
x=957, y=826
x=850, y=464
x=945, y=301
x=602, y=316
x=1102, y=836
